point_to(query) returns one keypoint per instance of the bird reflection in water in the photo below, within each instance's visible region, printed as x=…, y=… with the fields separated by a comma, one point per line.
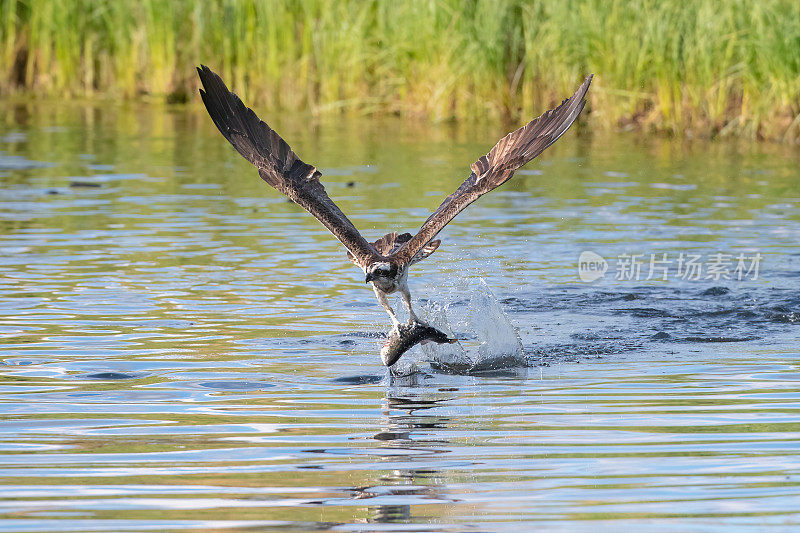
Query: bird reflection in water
x=410, y=429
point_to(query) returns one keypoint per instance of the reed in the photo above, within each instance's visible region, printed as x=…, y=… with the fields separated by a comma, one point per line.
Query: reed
x=694, y=67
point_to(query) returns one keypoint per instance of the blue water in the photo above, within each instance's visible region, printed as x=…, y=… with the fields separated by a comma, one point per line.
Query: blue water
x=182, y=349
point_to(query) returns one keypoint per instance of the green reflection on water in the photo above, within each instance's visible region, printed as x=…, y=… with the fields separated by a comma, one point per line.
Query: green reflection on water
x=228, y=314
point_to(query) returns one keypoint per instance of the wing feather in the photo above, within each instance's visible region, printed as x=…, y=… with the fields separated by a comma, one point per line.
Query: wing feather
x=277, y=164
x=497, y=167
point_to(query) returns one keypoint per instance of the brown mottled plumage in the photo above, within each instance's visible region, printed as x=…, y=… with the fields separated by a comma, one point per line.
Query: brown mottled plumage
x=385, y=261
x=391, y=242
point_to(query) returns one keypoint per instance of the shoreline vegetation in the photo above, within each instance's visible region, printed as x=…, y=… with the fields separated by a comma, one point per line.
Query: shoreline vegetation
x=691, y=68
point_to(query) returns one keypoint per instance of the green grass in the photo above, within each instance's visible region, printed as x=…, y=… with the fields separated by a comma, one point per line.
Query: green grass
x=695, y=67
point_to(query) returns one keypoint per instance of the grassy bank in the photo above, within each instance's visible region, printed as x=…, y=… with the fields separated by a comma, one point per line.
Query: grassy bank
x=701, y=67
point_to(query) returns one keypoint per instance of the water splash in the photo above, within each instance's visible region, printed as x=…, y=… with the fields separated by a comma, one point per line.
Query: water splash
x=488, y=340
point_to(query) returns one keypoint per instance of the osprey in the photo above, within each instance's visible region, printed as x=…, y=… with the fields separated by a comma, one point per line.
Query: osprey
x=385, y=262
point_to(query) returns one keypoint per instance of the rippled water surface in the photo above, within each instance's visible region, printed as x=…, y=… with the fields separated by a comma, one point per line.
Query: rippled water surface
x=182, y=349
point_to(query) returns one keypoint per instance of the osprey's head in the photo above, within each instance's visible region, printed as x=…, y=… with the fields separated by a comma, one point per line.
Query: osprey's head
x=381, y=273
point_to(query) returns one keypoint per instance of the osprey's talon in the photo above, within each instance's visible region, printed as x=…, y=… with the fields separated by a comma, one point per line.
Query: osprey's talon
x=415, y=321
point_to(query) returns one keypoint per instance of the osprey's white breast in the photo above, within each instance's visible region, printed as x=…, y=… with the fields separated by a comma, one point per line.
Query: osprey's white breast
x=385, y=285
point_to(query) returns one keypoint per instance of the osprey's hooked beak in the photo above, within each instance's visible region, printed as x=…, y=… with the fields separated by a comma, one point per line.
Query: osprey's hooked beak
x=369, y=277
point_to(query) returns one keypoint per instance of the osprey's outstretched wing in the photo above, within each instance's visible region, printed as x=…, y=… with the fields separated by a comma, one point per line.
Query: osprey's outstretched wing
x=495, y=168
x=277, y=164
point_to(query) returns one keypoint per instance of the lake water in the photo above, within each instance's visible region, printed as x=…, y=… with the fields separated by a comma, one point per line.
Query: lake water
x=183, y=350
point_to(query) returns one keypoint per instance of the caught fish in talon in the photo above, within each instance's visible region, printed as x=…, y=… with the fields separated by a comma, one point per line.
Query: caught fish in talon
x=385, y=262
x=403, y=337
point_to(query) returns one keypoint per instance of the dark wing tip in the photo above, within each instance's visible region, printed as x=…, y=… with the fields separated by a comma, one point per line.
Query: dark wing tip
x=579, y=96
x=555, y=122
x=584, y=88
x=237, y=123
x=212, y=83
x=206, y=76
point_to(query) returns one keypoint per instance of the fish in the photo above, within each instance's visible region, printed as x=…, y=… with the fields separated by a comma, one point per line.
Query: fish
x=402, y=338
